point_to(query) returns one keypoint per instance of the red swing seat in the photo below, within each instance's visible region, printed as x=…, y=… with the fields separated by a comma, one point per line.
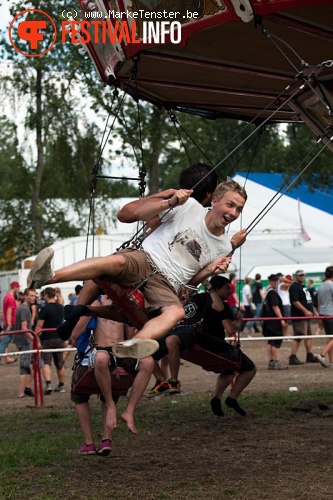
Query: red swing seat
x=131, y=303
x=121, y=382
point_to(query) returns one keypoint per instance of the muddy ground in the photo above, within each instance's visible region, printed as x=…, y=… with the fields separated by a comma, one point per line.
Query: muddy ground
x=207, y=457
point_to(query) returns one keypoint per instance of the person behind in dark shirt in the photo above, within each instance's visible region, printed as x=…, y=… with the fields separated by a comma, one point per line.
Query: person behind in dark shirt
x=301, y=305
x=273, y=306
x=51, y=316
x=257, y=299
x=182, y=338
x=212, y=338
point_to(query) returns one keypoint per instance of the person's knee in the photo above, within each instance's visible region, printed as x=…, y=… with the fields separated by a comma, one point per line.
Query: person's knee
x=177, y=312
x=172, y=342
x=101, y=360
x=116, y=263
x=147, y=364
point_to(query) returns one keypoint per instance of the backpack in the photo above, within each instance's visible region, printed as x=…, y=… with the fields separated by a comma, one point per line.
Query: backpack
x=84, y=339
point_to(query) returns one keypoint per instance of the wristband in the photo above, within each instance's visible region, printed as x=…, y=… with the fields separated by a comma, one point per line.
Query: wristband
x=211, y=290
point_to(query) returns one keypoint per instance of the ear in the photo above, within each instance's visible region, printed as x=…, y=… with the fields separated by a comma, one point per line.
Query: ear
x=214, y=200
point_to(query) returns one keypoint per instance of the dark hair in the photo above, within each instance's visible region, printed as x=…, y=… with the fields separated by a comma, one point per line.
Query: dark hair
x=232, y=276
x=218, y=282
x=189, y=177
x=258, y=276
x=50, y=292
x=78, y=289
x=329, y=272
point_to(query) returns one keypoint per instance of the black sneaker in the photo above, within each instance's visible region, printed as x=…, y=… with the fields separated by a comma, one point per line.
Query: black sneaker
x=293, y=360
x=174, y=385
x=28, y=392
x=311, y=358
x=160, y=387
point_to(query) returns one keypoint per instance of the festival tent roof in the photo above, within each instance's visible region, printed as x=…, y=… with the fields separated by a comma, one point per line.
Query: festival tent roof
x=296, y=230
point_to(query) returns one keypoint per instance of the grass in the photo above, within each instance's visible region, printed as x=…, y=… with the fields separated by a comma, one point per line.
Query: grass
x=38, y=447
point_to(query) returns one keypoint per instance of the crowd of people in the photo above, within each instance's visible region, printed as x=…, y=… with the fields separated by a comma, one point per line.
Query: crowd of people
x=186, y=245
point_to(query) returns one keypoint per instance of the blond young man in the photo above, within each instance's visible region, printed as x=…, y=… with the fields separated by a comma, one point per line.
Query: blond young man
x=186, y=248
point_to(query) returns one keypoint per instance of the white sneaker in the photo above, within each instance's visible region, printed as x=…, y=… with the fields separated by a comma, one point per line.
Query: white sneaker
x=321, y=360
x=135, y=348
x=41, y=271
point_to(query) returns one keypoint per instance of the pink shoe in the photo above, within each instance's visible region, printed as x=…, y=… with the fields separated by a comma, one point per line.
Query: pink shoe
x=88, y=449
x=105, y=448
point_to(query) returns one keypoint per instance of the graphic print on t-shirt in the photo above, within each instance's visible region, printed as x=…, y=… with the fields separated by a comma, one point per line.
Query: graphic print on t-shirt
x=187, y=243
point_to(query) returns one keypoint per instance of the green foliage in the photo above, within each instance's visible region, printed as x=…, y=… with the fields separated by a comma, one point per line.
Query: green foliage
x=320, y=173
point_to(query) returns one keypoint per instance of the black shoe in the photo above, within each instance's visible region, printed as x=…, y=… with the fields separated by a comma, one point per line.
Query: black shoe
x=28, y=392
x=75, y=312
x=215, y=404
x=311, y=358
x=64, y=330
x=293, y=360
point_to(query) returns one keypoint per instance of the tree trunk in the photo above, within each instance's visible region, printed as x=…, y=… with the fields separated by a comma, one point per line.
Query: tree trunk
x=36, y=217
x=158, y=126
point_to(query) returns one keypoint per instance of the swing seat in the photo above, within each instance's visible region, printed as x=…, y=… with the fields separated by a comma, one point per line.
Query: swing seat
x=121, y=382
x=209, y=361
x=129, y=301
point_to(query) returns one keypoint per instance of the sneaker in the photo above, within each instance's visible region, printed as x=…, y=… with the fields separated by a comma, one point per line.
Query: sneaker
x=48, y=389
x=41, y=271
x=293, y=360
x=174, y=386
x=311, y=358
x=322, y=360
x=280, y=366
x=160, y=387
x=271, y=365
x=105, y=447
x=28, y=392
x=60, y=388
x=88, y=449
x=135, y=348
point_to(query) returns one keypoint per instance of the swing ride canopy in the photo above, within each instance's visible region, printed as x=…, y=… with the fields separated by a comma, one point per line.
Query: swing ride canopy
x=252, y=60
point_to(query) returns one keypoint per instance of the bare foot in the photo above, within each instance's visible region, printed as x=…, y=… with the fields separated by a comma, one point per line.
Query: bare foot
x=128, y=418
x=111, y=417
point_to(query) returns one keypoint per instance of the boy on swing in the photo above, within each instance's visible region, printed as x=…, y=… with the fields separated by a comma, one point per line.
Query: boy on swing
x=188, y=246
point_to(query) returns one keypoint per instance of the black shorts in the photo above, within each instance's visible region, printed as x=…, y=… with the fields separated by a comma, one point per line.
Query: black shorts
x=267, y=332
x=186, y=335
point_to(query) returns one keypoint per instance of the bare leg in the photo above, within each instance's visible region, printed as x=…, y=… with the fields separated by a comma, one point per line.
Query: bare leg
x=222, y=382
x=107, y=432
x=84, y=417
x=157, y=372
x=295, y=347
x=241, y=382
x=88, y=269
x=162, y=324
x=173, y=343
x=103, y=378
x=140, y=383
x=61, y=375
x=165, y=366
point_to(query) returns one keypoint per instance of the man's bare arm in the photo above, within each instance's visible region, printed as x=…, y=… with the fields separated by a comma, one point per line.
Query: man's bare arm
x=128, y=212
x=218, y=266
x=150, y=207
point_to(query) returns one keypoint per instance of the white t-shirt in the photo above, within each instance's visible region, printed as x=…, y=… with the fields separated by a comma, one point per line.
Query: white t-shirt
x=182, y=244
x=246, y=290
x=284, y=294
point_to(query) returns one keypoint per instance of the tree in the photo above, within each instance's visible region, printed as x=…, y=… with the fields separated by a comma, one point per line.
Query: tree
x=65, y=145
x=301, y=141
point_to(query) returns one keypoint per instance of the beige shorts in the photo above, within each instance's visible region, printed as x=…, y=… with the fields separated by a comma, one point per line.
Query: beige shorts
x=301, y=327
x=157, y=290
